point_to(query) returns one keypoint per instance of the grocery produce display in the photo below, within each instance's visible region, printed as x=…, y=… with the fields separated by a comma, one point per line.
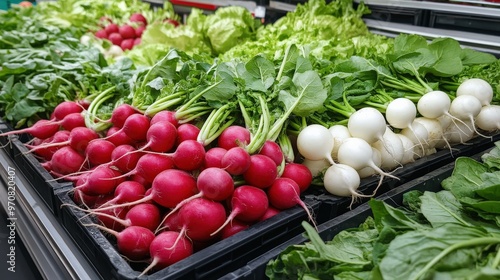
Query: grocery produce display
x=162, y=142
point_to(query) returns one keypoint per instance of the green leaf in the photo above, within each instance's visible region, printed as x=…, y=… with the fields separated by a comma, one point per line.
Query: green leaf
x=491, y=192
x=470, y=57
x=260, y=74
x=466, y=177
x=492, y=158
x=442, y=208
x=309, y=96
x=408, y=43
x=386, y=215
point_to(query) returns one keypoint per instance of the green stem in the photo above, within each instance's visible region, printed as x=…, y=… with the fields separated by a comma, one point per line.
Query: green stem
x=90, y=116
x=496, y=261
x=336, y=107
x=165, y=103
x=380, y=107
x=468, y=243
x=186, y=105
x=263, y=131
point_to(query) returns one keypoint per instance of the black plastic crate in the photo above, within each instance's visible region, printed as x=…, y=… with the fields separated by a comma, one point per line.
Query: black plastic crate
x=397, y=14
x=255, y=269
x=211, y=262
x=39, y=178
x=470, y=23
x=332, y=206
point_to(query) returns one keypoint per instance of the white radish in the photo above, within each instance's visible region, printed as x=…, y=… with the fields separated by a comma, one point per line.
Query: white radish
x=339, y=133
x=434, y=129
x=459, y=132
x=400, y=113
x=316, y=166
x=489, y=118
x=408, y=149
x=368, y=171
x=391, y=150
x=478, y=88
x=418, y=135
x=434, y=104
x=315, y=142
x=342, y=180
x=466, y=107
x=368, y=124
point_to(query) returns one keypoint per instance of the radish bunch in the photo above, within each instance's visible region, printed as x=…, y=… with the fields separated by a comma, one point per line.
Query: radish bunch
x=149, y=178
x=373, y=142
x=126, y=35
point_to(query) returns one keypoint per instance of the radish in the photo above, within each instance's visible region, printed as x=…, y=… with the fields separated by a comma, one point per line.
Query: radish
x=127, y=31
x=270, y=212
x=273, y=151
x=133, y=242
x=189, y=155
x=66, y=161
x=299, y=173
x=434, y=129
x=127, y=44
x=315, y=142
x=111, y=223
x=139, y=30
x=118, y=137
x=82, y=199
x=400, y=113
x=139, y=18
x=418, y=135
x=234, y=136
x=47, y=152
x=101, y=34
x=124, y=158
x=161, y=137
x=137, y=41
x=233, y=228
x=99, y=151
x=368, y=124
x=339, y=133
x=145, y=215
x=478, y=88
x=72, y=120
x=342, y=180
x=136, y=127
x=102, y=180
x=170, y=223
x=213, y=183
x=368, y=171
x=150, y=165
x=42, y=129
x=115, y=38
x=213, y=157
x=489, y=118
x=168, y=116
x=201, y=218
x=236, y=161
x=408, y=147
x=316, y=166
x=121, y=113
x=111, y=28
x=284, y=193
x=78, y=139
x=126, y=191
x=168, y=248
x=248, y=204
x=434, y=104
x=187, y=131
x=65, y=108
x=391, y=150
x=262, y=171
x=459, y=132
x=466, y=107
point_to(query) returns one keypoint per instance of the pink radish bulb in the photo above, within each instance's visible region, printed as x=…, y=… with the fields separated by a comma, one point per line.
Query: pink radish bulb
x=213, y=157
x=234, y=136
x=187, y=131
x=172, y=186
x=161, y=137
x=111, y=28
x=273, y=151
x=136, y=127
x=72, y=120
x=139, y=18
x=47, y=152
x=124, y=158
x=65, y=108
x=284, y=193
x=168, y=116
x=82, y=199
x=101, y=34
x=102, y=180
x=112, y=223
x=126, y=191
x=99, y=151
x=171, y=222
x=189, y=155
x=262, y=171
x=146, y=215
x=234, y=227
x=115, y=38
x=299, y=173
x=201, y=217
x=168, y=248
x=78, y=139
x=127, y=31
x=150, y=165
x=139, y=30
x=236, y=161
x=127, y=44
x=137, y=41
x=66, y=161
x=271, y=212
x=248, y=204
x=121, y=113
x=42, y=129
x=116, y=136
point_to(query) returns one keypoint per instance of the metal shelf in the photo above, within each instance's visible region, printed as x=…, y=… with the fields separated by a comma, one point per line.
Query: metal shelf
x=53, y=251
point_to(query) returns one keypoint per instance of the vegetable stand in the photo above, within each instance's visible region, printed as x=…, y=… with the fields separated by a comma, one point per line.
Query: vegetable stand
x=273, y=89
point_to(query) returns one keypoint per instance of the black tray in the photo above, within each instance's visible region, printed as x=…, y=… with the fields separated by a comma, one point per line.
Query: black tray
x=211, y=262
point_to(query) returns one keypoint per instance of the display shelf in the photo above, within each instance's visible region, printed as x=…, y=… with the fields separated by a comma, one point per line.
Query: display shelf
x=53, y=252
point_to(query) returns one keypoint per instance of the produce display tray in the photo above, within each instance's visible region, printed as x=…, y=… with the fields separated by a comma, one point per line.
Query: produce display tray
x=211, y=262
x=332, y=206
x=431, y=181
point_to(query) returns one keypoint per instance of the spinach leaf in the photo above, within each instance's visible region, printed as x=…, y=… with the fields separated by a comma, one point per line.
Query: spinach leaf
x=442, y=208
x=466, y=177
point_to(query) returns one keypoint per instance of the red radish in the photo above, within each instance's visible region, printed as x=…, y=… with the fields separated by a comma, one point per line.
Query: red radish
x=234, y=227
x=248, y=204
x=145, y=215
x=139, y=179
x=168, y=248
x=150, y=165
x=168, y=116
x=111, y=28
x=124, y=158
x=299, y=173
x=187, y=131
x=99, y=151
x=66, y=161
x=136, y=127
x=172, y=22
x=72, y=120
x=102, y=180
x=47, y=152
x=273, y=151
x=271, y=212
x=284, y=193
x=262, y=171
x=65, y=108
x=201, y=217
x=127, y=44
x=234, y=136
x=133, y=242
x=139, y=30
x=118, y=137
x=102, y=34
x=189, y=155
x=121, y=113
x=42, y=129
x=161, y=137
x=170, y=222
x=139, y=18
x=126, y=191
x=213, y=157
x=111, y=223
x=236, y=161
x=82, y=199
x=137, y=41
x=213, y=183
x=127, y=31
x=78, y=139
x=115, y=38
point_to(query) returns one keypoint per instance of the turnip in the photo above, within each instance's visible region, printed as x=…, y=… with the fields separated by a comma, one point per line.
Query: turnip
x=408, y=147
x=434, y=104
x=273, y=151
x=315, y=142
x=133, y=242
x=168, y=248
x=42, y=129
x=339, y=133
x=418, y=135
x=284, y=193
x=459, y=132
x=489, y=118
x=434, y=129
x=234, y=136
x=248, y=204
x=368, y=171
x=235, y=161
x=213, y=157
x=299, y=173
x=262, y=171
x=368, y=124
x=478, y=88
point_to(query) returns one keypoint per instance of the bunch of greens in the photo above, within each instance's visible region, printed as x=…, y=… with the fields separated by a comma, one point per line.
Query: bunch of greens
x=450, y=234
